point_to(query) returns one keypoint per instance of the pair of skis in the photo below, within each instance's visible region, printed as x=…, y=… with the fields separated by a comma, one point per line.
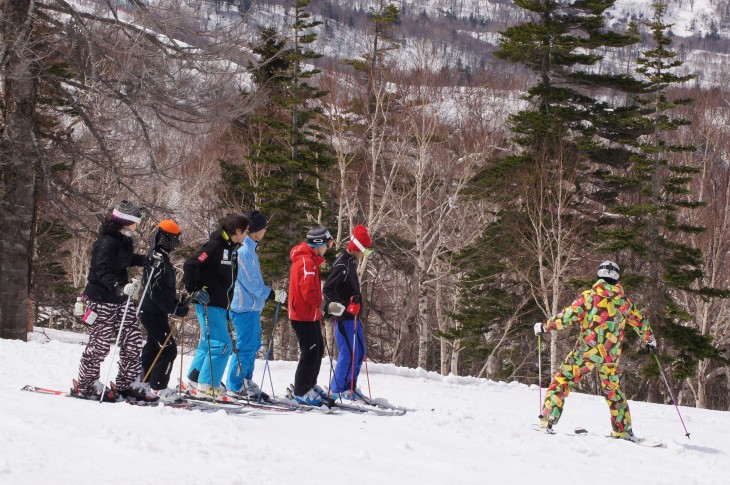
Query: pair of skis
x=182, y=404
x=580, y=431
x=362, y=405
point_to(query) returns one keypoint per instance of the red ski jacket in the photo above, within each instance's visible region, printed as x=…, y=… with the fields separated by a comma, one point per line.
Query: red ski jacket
x=305, y=288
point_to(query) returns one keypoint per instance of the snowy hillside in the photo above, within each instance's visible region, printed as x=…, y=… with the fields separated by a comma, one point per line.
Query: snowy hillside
x=463, y=430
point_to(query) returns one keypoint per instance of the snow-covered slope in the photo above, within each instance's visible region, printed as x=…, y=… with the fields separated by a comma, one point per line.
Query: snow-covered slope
x=463, y=430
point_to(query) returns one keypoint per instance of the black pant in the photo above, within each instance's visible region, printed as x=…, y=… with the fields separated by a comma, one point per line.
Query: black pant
x=158, y=329
x=311, y=351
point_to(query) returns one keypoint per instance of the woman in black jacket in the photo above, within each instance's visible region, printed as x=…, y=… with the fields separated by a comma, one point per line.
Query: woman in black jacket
x=159, y=302
x=106, y=295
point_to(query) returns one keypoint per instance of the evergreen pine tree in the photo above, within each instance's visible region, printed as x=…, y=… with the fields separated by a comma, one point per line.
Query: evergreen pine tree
x=286, y=158
x=650, y=232
x=555, y=185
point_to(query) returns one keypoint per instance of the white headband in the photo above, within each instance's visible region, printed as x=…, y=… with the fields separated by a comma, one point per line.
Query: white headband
x=126, y=217
x=358, y=244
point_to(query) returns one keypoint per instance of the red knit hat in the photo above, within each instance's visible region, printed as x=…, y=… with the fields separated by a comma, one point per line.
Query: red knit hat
x=361, y=234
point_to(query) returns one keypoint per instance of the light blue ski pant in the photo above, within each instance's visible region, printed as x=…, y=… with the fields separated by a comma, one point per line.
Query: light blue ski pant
x=220, y=346
x=248, y=343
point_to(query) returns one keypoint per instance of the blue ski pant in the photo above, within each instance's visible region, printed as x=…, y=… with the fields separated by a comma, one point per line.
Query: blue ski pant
x=342, y=379
x=220, y=345
x=248, y=343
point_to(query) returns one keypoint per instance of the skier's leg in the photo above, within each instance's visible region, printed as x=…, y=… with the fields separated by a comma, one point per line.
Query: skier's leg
x=220, y=346
x=248, y=333
x=620, y=414
x=234, y=379
x=341, y=377
x=359, y=350
x=130, y=344
x=100, y=339
x=319, y=353
x=570, y=372
x=201, y=353
x=151, y=347
x=308, y=356
x=158, y=330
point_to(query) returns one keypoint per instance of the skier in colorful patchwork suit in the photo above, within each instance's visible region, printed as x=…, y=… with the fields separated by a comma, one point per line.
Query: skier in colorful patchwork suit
x=602, y=311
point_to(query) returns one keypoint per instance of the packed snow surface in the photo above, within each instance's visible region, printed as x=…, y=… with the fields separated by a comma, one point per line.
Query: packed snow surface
x=462, y=430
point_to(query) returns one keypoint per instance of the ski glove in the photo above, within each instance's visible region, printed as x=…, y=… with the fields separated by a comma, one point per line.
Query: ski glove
x=201, y=296
x=156, y=259
x=181, y=309
x=336, y=309
x=278, y=296
x=539, y=329
x=650, y=345
x=130, y=288
x=354, y=306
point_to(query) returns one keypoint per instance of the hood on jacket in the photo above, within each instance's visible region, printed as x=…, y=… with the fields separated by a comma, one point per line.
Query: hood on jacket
x=303, y=250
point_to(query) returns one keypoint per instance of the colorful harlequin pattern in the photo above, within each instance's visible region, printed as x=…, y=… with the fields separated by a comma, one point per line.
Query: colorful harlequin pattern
x=602, y=312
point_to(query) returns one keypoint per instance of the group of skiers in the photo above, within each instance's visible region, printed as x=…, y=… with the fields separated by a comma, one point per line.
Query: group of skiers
x=224, y=282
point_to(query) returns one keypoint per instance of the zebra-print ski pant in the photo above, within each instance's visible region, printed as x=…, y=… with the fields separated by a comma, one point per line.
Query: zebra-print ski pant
x=101, y=334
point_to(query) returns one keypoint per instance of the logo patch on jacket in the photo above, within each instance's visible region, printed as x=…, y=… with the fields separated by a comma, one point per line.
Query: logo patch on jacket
x=202, y=257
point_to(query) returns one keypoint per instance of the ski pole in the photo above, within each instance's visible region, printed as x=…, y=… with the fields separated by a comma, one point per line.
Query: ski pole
x=268, y=352
x=147, y=374
x=651, y=349
x=365, y=358
x=147, y=285
x=539, y=372
x=354, y=336
x=116, y=344
x=210, y=354
x=332, y=372
x=182, y=355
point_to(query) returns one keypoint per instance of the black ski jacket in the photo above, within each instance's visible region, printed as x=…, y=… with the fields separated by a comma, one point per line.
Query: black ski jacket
x=342, y=283
x=111, y=255
x=161, y=295
x=213, y=266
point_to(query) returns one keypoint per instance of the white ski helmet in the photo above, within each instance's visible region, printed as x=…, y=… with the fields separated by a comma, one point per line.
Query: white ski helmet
x=608, y=269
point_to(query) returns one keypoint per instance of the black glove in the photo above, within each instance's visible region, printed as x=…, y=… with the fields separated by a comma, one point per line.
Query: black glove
x=181, y=309
x=356, y=299
x=201, y=296
x=155, y=260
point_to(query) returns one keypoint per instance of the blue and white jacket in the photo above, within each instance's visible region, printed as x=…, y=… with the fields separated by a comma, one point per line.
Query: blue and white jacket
x=250, y=292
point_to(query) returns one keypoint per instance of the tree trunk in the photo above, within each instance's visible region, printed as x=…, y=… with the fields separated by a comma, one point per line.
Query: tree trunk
x=444, y=343
x=702, y=384
x=19, y=158
x=423, y=331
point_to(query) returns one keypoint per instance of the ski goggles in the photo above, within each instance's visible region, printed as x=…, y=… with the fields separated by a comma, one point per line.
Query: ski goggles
x=366, y=251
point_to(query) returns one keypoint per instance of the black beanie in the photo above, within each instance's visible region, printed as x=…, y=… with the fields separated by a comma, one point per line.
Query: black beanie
x=318, y=236
x=258, y=221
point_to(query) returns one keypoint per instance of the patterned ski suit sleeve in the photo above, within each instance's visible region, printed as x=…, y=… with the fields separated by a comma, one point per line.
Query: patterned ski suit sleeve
x=576, y=312
x=639, y=323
